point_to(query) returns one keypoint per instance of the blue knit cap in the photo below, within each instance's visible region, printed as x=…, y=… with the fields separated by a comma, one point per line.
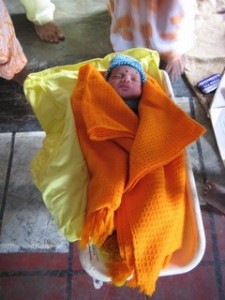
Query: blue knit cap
x=125, y=60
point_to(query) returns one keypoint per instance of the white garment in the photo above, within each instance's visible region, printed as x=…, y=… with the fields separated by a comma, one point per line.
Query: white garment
x=166, y=26
x=39, y=12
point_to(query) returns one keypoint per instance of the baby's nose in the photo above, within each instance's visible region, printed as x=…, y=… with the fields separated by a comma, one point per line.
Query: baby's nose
x=126, y=78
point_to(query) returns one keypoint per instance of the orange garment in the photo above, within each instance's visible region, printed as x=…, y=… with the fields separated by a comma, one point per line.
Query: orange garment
x=12, y=57
x=137, y=173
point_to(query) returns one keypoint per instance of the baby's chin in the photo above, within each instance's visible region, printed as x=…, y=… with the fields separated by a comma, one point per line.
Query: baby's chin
x=129, y=97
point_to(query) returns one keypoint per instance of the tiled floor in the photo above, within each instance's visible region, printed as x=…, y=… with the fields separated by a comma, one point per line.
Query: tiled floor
x=36, y=262
x=47, y=276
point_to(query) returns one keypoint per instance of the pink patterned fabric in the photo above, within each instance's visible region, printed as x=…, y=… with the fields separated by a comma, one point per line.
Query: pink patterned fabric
x=12, y=57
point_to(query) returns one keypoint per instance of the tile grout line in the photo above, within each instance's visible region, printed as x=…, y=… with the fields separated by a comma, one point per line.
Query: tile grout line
x=69, y=272
x=198, y=143
x=211, y=262
x=216, y=254
x=2, y=210
x=41, y=273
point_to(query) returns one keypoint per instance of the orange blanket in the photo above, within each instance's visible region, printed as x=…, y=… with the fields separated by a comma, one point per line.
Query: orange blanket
x=137, y=173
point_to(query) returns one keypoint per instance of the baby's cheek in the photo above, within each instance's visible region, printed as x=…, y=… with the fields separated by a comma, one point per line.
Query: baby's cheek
x=139, y=90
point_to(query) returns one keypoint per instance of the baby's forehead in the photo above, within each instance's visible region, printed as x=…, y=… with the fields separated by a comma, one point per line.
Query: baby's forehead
x=125, y=69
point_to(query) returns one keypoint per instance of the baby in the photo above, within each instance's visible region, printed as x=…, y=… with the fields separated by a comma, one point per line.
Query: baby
x=126, y=76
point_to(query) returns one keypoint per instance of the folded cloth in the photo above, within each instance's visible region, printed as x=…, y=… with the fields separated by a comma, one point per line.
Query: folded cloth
x=137, y=173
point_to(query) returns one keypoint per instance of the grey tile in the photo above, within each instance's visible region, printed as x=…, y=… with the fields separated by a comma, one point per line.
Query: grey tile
x=27, y=224
x=5, y=146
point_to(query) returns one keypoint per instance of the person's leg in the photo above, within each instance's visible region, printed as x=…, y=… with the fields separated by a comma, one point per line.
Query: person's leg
x=21, y=76
x=49, y=32
x=175, y=66
x=174, y=33
x=41, y=14
x=215, y=195
x=12, y=57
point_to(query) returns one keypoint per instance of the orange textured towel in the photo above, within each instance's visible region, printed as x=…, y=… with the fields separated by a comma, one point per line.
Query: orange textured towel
x=137, y=173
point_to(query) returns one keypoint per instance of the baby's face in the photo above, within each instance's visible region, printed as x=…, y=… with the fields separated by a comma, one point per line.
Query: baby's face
x=126, y=81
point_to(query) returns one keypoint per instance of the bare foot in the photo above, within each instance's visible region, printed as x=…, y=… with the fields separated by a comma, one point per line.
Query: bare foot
x=49, y=32
x=21, y=76
x=175, y=66
x=215, y=195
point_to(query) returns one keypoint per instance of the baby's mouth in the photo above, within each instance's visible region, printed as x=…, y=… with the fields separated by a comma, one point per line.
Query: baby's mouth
x=124, y=86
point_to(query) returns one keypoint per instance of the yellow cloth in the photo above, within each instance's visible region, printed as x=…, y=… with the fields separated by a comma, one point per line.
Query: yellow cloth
x=59, y=169
x=137, y=173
